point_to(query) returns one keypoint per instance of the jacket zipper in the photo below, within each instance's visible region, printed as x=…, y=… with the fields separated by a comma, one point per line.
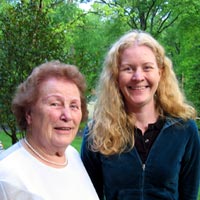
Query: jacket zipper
x=143, y=168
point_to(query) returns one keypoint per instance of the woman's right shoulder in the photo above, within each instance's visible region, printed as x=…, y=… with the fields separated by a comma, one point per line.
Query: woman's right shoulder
x=9, y=152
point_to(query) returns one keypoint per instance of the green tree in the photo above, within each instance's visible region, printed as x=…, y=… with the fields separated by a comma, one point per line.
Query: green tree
x=183, y=47
x=87, y=41
x=89, y=46
x=189, y=59
x=27, y=38
x=153, y=16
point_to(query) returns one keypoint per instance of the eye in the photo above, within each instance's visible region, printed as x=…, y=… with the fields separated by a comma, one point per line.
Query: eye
x=147, y=68
x=55, y=104
x=75, y=106
x=126, y=68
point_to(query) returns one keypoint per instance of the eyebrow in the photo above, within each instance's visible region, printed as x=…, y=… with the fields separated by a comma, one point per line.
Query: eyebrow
x=60, y=96
x=152, y=63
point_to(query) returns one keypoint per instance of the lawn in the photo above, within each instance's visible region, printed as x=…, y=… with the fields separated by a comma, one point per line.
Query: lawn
x=6, y=141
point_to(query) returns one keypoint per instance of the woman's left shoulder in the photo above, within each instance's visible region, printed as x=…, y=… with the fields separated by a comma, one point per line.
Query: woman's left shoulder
x=191, y=128
x=72, y=149
x=186, y=123
x=191, y=124
x=72, y=152
x=187, y=127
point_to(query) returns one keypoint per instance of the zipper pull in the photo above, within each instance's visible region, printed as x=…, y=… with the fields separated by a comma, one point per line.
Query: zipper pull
x=143, y=166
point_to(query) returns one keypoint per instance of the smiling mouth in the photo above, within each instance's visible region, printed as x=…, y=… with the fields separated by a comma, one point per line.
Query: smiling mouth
x=137, y=87
x=63, y=128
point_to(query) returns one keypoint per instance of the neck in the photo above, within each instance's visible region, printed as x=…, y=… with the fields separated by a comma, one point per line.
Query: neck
x=145, y=117
x=41, y=157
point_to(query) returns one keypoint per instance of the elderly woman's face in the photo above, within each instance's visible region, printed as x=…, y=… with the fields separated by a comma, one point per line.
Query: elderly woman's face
x=55, y=118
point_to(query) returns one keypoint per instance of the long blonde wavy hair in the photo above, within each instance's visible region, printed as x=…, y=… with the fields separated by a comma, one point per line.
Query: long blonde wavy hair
x=113, y=130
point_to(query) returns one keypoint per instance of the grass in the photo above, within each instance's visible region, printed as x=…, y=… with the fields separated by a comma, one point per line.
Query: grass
x=6, y=141
x=77, y=143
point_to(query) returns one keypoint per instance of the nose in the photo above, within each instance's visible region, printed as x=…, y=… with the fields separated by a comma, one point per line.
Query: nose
x=137, y=75
x=66, y=114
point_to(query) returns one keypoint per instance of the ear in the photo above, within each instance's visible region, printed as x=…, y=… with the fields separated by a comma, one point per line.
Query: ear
x=160, y=71
x=28, y=117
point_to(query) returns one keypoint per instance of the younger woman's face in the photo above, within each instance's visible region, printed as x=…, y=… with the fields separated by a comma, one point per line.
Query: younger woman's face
x=139, y=76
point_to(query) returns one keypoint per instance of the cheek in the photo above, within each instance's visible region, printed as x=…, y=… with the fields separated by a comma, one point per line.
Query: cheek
x=53, y=116
x=122, y=84
x=77, y=118
x=154, y=78
x=122, y=81
x=47, y=116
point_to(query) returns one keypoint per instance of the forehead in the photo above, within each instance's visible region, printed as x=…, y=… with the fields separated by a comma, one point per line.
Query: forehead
x=60, y=86
x=138, y=49
x=136, y=53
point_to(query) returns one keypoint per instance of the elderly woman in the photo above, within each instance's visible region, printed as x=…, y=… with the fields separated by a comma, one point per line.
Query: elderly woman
x=49, y=107
x=144, y=142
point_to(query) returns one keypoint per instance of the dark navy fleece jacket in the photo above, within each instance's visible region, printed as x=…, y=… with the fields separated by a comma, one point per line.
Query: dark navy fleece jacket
x=171, y=171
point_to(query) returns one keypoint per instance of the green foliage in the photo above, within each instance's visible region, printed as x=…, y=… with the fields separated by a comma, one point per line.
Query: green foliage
x=27, y=38
x=88, y=49
x=152, y=16
x=86, y=44
x=32, y=32
x=183, y=44
x=190, y=59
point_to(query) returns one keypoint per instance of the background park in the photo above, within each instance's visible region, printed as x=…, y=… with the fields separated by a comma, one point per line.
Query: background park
x=80, y=33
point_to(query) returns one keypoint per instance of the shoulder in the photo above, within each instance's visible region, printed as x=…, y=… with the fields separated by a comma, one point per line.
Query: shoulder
x=186, y=129
x=74, y=159
x=71, y=152
x=11, y=161
x=71, y=149
x=181, y=123
x=12, y=151
x=190, y=126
